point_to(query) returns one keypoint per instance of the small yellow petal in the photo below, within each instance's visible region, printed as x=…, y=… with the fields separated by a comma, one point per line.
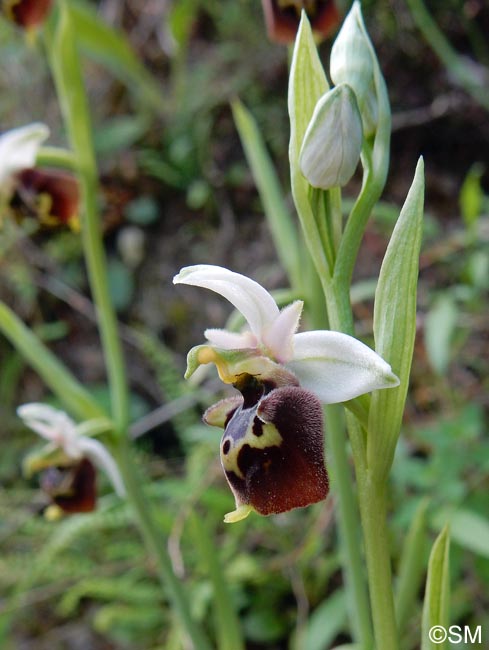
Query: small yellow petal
x=237, y=515
x=53, y=513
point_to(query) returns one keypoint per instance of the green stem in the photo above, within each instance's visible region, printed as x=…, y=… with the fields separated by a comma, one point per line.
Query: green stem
x=467, y=76
x=349, y=526
x=56, y=157
x=153, y=540
x=373, y=508
x=226, y=620
x=65, y=64
x=68, y=79
x=336, y=216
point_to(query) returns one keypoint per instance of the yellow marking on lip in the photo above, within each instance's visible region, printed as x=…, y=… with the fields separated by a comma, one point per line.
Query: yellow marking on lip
x=269, y=438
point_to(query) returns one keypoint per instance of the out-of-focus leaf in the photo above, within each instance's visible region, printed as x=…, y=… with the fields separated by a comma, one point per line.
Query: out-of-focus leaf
x=326, y=622
x=437, y=593
x=228, y=630
x=142, y=211
x=469, y=529
x=411, y=568
x=110, y=47
x=440, y=325
x=395, y=325
x=471, y=196
x=181, y=17
x=119, y=133
x=283, y=230
x=121, y=284
x=307, y=83
x=478, y=269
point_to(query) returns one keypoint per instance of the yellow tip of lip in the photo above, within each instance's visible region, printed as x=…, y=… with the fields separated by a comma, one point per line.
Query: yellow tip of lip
x=53, y=513
x=237, y=515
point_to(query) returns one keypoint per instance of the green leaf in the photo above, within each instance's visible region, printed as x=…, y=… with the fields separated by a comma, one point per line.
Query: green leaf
x=326, y=622
x=472, y=196
x=412, y=566
x=439, y=329
x=395, y=326
x=59, y=379
x=437, y=594
x=307, y=83
x=121, y=284
x=228, y=631
x=284, y=232
x=110, y=47
x=468, y=529
x=119, y=133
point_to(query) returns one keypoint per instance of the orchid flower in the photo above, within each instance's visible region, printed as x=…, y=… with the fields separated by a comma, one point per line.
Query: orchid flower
x=335, y=366
x=18, y=151
x=63, y=434
x=272, y=447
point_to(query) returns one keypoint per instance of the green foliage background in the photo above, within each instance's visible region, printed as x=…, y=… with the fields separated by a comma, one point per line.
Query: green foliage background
x=177, y=190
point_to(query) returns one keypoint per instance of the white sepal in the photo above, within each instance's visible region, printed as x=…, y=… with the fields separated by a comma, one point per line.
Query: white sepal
x=95, y=451
x=251, y=299
x=278, y=337
x=337, y=367
x=18, y=150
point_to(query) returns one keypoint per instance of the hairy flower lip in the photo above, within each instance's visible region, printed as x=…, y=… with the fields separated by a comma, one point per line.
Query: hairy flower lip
x=335, y=366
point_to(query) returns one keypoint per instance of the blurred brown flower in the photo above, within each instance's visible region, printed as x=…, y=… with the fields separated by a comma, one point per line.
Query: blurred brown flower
x=51, y=195
x=27, y=13
x=282, y=17
x=71, y=488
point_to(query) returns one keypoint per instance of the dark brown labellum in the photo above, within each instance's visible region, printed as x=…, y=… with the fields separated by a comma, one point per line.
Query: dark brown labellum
x=272, y=451
x=27, y=13
x=51, y=195
x=72, y=488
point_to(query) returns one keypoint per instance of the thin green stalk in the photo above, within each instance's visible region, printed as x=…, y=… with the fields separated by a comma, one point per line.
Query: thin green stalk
x=349, y=526
x=56, y=157
x=153, y=539
x=68, y=79
x=373, y=508
x=59, y=379
x=226, y=620
x=467, y=76
x=336, y=215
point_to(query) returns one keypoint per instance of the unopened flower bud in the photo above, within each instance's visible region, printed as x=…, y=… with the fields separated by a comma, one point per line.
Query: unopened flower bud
x=352, y=62
x=333, y=140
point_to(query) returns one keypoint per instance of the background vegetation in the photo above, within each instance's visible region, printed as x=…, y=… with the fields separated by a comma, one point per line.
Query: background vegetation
x=177, y=190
